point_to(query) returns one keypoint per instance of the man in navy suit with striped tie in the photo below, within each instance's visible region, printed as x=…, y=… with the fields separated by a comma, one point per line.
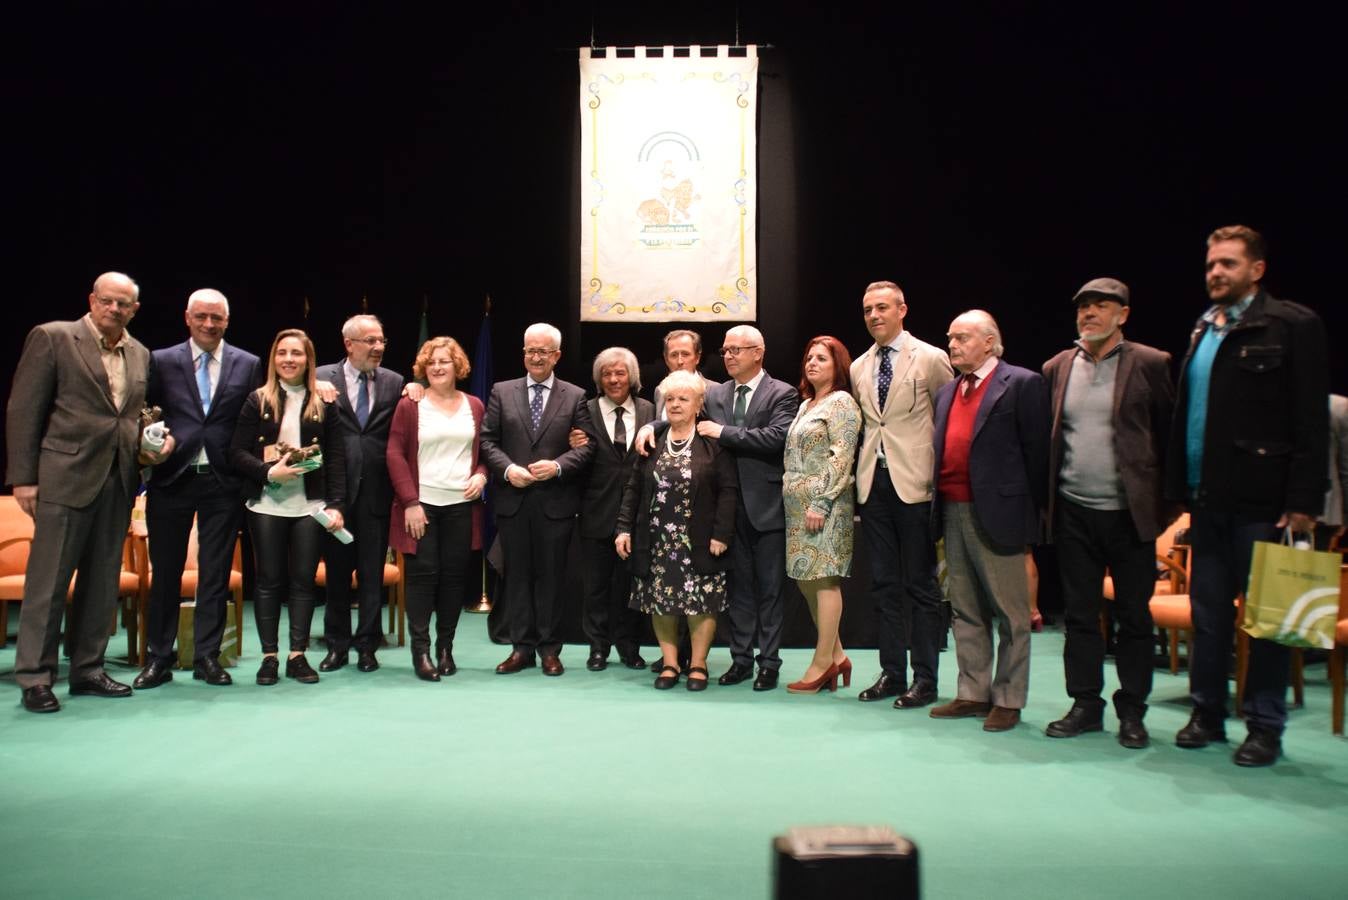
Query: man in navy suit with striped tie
x=366, y=397
x=201, y=385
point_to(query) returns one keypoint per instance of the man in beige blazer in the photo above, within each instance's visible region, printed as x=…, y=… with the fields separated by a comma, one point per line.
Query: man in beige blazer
x=895, y=382
x=72, y=430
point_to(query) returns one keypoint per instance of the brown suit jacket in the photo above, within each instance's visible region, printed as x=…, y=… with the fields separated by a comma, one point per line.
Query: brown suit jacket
x=62, y=429
x=1144, y=400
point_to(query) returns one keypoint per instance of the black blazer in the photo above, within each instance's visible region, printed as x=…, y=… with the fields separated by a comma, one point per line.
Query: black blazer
x=365, y=448
x=608, y=472
x=258, y=429
x=715, y=490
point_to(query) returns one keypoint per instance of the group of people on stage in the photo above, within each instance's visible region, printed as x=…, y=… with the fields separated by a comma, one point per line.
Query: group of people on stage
x=696, y=504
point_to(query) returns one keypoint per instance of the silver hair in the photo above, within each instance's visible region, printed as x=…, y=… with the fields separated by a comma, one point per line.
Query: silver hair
x=543, y=328
x=135, y=288
x=747, y=331
x=686, y=381
x=988, y=325
x=351, y=327
x=613, y=356
x=208, y=295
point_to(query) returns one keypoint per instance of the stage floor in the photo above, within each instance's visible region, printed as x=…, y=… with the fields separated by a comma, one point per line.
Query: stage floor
x=596, y=785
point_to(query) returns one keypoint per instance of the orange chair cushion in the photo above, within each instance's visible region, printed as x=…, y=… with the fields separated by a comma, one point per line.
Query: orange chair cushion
x=11, y=586
x=1172, y=611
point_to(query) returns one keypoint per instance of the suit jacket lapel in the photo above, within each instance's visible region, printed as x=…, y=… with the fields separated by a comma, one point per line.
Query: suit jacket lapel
x=996, y=387
x=552, y=399
x=188, y=364
x=343, y=399
x=88, y=350
x=1064, y=372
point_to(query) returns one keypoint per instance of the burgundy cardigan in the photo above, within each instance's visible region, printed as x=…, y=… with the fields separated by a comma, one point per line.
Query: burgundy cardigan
x=402, y=471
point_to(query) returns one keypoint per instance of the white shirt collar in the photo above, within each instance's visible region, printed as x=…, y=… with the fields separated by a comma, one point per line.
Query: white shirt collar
x=197, y=350
x=529, y=380
x=754, y=382
x=985, y=370
x=606, y=406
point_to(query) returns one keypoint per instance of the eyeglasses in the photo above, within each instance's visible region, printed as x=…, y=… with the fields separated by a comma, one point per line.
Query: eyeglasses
x=537, y=353
x=123, y=305
x=372, y=341
x=736, y=351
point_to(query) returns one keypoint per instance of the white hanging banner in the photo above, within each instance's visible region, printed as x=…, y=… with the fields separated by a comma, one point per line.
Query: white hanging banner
x=669, y=186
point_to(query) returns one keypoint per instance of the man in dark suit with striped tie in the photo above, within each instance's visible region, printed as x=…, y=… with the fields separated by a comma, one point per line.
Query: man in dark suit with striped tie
x=366, y=397
x=201, y=384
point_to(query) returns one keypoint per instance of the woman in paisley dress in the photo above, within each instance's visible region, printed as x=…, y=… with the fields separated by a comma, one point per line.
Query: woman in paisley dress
x=817, y=492
x=674, y=526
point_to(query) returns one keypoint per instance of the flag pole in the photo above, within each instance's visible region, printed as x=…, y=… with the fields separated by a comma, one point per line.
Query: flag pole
x=483, y=355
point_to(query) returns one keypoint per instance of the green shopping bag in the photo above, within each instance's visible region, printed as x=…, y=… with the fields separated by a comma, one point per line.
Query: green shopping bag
x=1293, y=597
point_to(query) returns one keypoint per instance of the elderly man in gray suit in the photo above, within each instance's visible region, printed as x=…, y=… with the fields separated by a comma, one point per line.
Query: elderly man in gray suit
x=73, y=434
x=525, y=441
x=1112, y=402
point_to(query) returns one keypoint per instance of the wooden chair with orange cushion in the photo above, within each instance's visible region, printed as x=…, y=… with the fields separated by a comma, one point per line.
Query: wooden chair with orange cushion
x=394, y=585
x=16, y=537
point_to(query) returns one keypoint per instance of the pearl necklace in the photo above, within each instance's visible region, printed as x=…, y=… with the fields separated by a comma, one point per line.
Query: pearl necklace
x=678, y=448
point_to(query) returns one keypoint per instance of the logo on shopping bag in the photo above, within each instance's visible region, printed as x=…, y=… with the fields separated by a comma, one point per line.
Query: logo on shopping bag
x=1304, y=614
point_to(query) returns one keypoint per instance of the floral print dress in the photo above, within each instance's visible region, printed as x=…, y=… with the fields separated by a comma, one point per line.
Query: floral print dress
x=821, y=448
x=674, y=587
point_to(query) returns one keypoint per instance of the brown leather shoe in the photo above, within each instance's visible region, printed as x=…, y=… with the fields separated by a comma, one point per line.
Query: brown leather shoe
x=961, y=709
x=552, y=665
x=515, y=662
x=1001, y=719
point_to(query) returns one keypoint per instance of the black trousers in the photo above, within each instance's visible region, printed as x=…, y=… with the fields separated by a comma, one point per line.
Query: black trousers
x=1089, y=541
x=168, y=515
x=535, y=549
x=365, y=556
x=437, y=575
x=903, y=582
x=286, y=550
x=608, y=620
x=756, y=608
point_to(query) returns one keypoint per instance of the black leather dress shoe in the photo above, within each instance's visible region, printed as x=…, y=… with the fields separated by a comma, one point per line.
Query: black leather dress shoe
x=515, y=662
x=268, y=671
x=209, y=670
x=1199, y=733
x=597, y=662
x=100, y=686
x=922, y=693
x=40, y=699
x=1079, y=720
x=365, y=661
x=766, y=680
x=155, y=673
x=633, y=660
x=425, y=669
x=735, y=674
x=444, y=662
x=298, y=668
x=1133, y=734
x=1261, y=748
x=333, y=661
x=885, y=686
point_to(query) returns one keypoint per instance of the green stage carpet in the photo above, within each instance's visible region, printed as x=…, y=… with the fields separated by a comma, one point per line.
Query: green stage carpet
x=596, y=785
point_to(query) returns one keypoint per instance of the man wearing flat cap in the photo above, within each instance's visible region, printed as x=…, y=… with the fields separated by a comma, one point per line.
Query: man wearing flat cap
x=1112, y=403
